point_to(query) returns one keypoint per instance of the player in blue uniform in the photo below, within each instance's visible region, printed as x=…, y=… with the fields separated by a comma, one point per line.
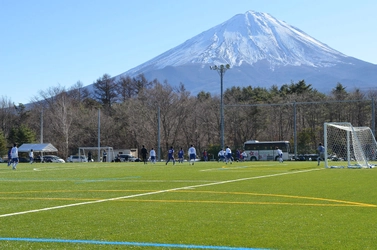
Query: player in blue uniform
x=170, y=156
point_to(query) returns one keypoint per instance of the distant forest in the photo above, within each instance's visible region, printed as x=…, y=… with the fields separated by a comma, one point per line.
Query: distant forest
x=128, y=111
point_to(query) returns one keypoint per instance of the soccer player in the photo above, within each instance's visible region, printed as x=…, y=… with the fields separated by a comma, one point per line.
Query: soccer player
x=244, y=156
x=170, y=156
x=205, y=155
x=192, y=155
x=31, y=156
x=238, y=155
x=180, y=156
x=9, y=157
x=228, y=155
x=280, y=154
x=104, y=156
x=221, y=155
x=144, y=153
x=152, y=154
x=14, y=154
x=321, y=153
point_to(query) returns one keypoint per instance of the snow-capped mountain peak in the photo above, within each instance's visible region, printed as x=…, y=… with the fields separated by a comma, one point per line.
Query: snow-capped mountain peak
x=248, y=38
x=262, y=51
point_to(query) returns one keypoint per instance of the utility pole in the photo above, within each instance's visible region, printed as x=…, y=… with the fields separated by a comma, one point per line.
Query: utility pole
x=221, y=70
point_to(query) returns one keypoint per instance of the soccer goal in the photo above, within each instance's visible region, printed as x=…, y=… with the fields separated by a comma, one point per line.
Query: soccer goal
x=97, y=152
x=348, y=146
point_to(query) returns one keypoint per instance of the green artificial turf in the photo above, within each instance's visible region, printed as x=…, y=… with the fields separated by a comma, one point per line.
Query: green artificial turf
x=210, y=205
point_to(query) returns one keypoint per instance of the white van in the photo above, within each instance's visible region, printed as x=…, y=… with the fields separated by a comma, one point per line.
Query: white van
x=76, y=158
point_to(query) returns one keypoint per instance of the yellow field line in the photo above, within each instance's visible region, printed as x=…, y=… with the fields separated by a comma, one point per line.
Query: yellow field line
x=347, y=203
x=350, y=204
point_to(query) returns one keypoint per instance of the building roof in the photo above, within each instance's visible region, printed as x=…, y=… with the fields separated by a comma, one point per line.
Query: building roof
x=39, y=147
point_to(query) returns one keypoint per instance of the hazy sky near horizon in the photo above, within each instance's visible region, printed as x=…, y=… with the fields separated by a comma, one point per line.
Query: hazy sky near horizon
x=49, y=43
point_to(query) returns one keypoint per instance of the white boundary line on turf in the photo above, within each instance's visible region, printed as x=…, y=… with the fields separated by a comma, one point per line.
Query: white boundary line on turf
x=155, y=192
x=235, y=167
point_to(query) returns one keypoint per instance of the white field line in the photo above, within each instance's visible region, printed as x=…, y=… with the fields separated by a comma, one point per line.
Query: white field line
x=154, y=192
x=229, y=167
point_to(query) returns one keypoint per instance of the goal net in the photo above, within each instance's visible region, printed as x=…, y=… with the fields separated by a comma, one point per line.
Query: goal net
x=348, y=146
x=98, y=153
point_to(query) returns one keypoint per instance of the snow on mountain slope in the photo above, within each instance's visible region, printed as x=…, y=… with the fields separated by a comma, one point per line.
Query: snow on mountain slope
x=262, y=51
x=248, y=38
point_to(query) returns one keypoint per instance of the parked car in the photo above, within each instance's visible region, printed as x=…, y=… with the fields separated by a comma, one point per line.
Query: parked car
x=49, y=158
x=76, y=158
x=126, y=157
x=23, y=160
x=38, y=159
x=299, y=158
x=311, y=157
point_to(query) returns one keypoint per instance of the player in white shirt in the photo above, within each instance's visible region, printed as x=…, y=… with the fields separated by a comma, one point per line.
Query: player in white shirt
x=152, y=155
x=244, y=156
x=192, y=155
x=221, y=155
x=228, y=155
x=31, y=156
x=14, y=154
x=280, y=154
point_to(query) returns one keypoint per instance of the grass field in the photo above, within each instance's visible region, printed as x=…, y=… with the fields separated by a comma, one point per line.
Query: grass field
x=210, y=205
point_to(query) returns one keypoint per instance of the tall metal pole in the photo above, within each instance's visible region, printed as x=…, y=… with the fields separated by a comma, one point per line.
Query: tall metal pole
x=158, y=136
x=222, y=108
x=221, y=70
x=99, y=136
x=295, y=127
x=41, y=126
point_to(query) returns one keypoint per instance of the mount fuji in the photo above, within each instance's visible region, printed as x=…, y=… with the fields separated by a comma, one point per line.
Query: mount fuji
x=262, y=51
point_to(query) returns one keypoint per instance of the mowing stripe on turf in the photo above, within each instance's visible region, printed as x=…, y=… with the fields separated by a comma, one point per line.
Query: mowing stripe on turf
x=155, y=192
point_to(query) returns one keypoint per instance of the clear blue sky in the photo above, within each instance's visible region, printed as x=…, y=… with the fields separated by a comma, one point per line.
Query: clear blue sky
x=46, y=43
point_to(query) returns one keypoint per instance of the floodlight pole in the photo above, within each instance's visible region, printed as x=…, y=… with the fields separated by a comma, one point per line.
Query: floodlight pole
x=221, y=70
x=99, y=136
x=41, y=139
x=158, y=136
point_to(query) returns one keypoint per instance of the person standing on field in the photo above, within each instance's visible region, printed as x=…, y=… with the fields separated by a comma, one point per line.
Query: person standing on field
x=192, y=155
x=280, y=154
x=205, y=155
x=104, y=155
x=9, y=157
x=152, y=154
x=221, y=155
x=14, y=154
x=89, y=156
x=180, y=156
x=228, y=155
x=244, y=156
x=31, y=156
x=144, y=153
x=238, y=155
x=170, y=156
x=321, y=153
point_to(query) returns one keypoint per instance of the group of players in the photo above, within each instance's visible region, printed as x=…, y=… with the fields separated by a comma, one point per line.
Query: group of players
x=152, y=155
x=191, y=153
x=224, y=155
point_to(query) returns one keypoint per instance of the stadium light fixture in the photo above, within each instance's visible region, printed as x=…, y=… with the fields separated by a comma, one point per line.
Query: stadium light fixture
x=221, y=70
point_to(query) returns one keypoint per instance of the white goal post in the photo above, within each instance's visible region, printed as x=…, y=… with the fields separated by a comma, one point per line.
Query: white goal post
x=348, y=146
x=98, y=151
